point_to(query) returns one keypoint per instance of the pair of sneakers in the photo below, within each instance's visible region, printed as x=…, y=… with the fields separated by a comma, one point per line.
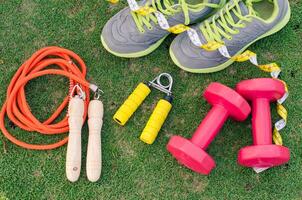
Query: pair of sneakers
x=211, y=31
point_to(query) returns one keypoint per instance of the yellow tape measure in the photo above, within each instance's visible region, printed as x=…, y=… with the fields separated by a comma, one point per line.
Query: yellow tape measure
x=145, y=10
x=177, y=29
x=113, y=1
x=211, y=46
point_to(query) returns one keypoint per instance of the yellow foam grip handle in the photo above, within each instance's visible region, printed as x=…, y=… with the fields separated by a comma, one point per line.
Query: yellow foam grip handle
x=156, y=121
x=135, y=99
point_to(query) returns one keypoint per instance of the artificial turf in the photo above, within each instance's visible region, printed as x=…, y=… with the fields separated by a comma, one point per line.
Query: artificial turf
x=131, y=169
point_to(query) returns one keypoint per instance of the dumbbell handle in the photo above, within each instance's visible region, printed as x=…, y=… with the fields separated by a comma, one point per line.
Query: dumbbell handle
x=261, y=121
x=73, y=156
x=210, y=126
x=94, y=152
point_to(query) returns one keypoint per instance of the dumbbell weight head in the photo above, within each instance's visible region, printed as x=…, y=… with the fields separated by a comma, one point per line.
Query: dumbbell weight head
x=263, y=156
x=267, y=88
x=191, y=153
x=263, y=153
x=218, y=94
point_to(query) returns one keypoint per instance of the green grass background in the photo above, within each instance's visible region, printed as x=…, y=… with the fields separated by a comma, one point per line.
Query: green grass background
x=131, y=169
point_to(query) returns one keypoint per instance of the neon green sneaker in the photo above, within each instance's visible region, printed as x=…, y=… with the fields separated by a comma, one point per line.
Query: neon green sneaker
x=211, y=44
x=140, y=28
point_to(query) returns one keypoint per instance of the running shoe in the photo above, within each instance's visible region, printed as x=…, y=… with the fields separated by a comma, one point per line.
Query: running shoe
x=235, y=27
x=132, y=34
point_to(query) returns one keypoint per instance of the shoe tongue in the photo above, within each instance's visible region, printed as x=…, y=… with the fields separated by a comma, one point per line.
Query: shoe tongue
x=165, y=4
x=243, y=8
x=214, y=1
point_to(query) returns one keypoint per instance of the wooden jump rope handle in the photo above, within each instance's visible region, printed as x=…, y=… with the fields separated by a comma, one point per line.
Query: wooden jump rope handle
x=75, y=120
x=94, y=152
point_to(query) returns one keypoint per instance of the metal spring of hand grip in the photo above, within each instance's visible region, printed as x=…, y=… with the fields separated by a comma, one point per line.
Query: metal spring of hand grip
x=156, y=83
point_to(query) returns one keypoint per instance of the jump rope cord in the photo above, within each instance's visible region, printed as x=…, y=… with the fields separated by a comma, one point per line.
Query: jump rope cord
x=16, y=107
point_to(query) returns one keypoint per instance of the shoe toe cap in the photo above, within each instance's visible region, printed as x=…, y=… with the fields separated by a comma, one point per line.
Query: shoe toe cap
x=121, y=36
x=114, y=36
x=188, y=56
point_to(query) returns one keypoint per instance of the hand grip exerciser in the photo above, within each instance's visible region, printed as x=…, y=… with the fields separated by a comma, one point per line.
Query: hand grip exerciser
x=75, y=120
x=94, y=152
x=160, y=112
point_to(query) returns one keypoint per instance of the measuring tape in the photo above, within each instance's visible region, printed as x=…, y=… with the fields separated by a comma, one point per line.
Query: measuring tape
x=113, y=1
x=160, y=113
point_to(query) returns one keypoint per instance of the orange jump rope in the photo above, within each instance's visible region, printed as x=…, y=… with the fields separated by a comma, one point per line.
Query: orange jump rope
x=17, y=109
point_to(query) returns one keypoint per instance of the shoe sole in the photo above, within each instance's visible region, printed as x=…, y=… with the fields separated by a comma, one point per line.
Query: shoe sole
x=277, y=28
x=136, y=54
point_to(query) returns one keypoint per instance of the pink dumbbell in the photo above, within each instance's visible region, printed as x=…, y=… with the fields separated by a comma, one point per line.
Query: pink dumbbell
x=262, y=153
x=226, y=103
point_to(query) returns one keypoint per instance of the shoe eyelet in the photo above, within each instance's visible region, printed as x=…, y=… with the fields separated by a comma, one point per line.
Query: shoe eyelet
x=150, y=28
x=142, y=32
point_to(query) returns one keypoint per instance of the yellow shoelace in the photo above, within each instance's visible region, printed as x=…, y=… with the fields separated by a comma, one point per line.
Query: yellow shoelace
x=224, y=26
